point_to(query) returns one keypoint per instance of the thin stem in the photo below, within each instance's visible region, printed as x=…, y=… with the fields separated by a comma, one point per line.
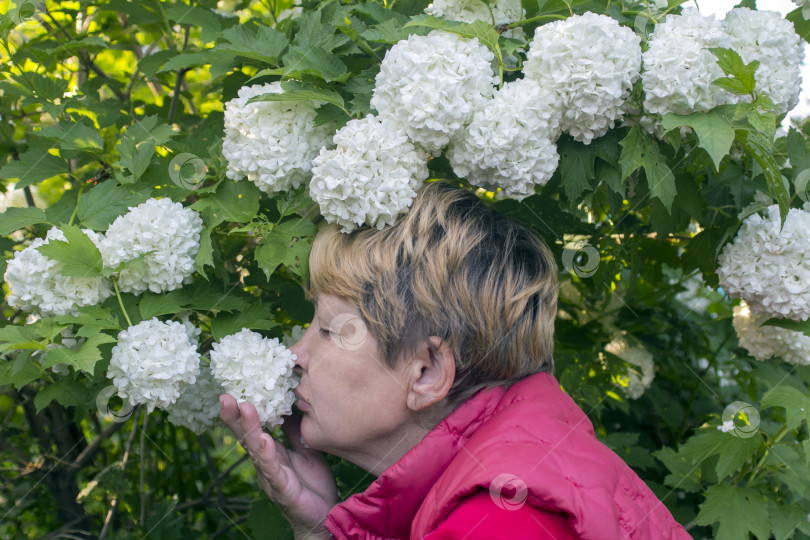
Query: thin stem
x=121, y=302
x=770, y=444
x=539, y=18
x=76, y=209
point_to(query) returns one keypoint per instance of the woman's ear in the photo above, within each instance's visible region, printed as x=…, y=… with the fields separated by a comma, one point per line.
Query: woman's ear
x=431, y=370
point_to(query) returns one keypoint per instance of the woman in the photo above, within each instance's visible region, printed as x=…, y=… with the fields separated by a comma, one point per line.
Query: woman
x=428, y=363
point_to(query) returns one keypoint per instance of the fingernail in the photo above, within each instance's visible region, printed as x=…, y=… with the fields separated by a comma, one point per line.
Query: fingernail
x=262, y=442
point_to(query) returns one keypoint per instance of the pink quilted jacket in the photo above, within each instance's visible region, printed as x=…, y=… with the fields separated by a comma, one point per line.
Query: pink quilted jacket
x=532, y=433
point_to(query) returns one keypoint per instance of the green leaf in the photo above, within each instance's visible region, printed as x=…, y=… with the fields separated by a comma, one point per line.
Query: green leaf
x=714, y=130
x=222, y=59
x=101, y=205
x=762, y=151
x=255, y=317
x=390, y=32
x=33, y=166
x=150, y=128
x=207, y=21
x=261, y=43
x=742, y=75
x=202, y=296
x=314, y=61
x=74, y=136
x=737, y=451
x=785, y=518
x=66, y=392
x=737, y=511
x=14, y=219
x=789, y=324
x=91, y=320
x=233, y=201
x=205, y=255
x=288, y=244
x=79, y=255
x=84, y=358
x=13, y=337
x=155, y=305
x=299, y=92
x=135, y=157
x=484, y=32
x=795, y=403
x=639, y=150
x=576, y=167
x=29, y=371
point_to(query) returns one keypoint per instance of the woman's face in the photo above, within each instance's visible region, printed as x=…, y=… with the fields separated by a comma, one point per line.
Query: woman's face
x=353, y=404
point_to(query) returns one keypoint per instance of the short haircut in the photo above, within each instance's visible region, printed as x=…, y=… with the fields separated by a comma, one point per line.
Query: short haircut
x=453, y=268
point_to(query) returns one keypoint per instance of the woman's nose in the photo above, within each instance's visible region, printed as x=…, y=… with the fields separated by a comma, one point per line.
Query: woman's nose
x=301, y=357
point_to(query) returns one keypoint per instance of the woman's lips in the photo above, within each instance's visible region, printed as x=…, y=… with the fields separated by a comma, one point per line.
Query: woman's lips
x=302, y=404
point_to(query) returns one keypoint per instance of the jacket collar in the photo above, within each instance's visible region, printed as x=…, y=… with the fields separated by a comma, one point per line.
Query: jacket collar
x=386, y=509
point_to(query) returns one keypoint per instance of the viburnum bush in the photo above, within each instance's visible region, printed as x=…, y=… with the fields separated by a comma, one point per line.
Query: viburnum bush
x=166, y=166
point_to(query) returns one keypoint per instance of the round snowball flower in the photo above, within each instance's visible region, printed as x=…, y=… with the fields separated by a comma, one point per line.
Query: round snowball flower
x=592, y=63
x=510, y=141
x=153, y=362
x=768, y=342
x=197, y=408
x=769, y=268
x=258, y=370
x=497, y=12
x=767, y=37
x=679, y=68
x=166, y=234
x=36, y=283
x=430, y=86
x=370, y=177
x=500, y=11
x=641, y=375
x=272, y=143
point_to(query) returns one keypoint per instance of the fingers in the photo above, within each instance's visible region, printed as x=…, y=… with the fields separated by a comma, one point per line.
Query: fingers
x=230, y=414
x=292, y=427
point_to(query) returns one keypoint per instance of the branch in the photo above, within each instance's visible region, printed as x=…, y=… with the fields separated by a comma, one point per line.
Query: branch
x=87, y=455
x=114, y=504
x=86, y=62
x=22, y=459
x=181, y=74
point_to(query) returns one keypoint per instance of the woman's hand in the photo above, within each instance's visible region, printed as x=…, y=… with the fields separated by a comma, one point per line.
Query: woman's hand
x=298, y=480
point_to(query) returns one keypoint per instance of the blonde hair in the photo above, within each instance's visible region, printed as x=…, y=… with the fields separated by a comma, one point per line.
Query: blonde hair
x=453, y=268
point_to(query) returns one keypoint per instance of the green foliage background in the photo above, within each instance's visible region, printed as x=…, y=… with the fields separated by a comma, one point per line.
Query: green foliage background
x=97, y=98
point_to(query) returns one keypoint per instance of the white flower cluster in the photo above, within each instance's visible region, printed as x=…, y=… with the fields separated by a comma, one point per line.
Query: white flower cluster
x=257, y=370
x=679, y=69
x=168, y=237
x=498, y=11
x=767, y=37
x=371, y=176
x=430, y=86
x=510, y=142
x=153, y=362
x=638, y=380
x=295, y=335
x=695, y=296
x=197, y=408
x=769, y=268
x=591, y=63
x=36, y=283
x=769, y=342
x=272, y=143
